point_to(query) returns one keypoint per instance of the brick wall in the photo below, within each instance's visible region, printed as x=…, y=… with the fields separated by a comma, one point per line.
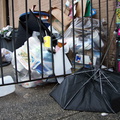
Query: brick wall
x=19, y=7
x=2, y=14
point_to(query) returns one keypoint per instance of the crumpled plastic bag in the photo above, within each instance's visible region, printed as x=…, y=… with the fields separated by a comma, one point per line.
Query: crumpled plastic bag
x=6, y=32
x=30, y=84
x=6, y=55
x=84, y=28
x=68, y=44
x=22, y=61
x=85, y=31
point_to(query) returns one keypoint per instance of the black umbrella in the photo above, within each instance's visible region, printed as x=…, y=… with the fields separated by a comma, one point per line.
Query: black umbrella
x=97, y=91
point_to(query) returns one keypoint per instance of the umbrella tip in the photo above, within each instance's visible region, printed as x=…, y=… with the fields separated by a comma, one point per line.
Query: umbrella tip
x=104, y=114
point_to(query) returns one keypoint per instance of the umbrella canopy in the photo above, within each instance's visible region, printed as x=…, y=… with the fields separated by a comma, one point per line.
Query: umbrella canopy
x=89, y=91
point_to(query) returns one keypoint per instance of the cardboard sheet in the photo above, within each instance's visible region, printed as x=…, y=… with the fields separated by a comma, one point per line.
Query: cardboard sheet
x=79, y=8
x=57, y=20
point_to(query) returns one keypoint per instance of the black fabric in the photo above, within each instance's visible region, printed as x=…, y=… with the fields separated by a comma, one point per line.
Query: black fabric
x=21, y=35
x=6, y=43
x=82, y=93
x=33, y=24
x=5, y=64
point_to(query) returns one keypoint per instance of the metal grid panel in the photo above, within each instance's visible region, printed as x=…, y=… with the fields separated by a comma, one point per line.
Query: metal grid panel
x=77, y=40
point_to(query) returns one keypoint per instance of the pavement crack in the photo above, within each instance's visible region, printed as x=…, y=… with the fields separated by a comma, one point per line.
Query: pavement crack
x=67, y=116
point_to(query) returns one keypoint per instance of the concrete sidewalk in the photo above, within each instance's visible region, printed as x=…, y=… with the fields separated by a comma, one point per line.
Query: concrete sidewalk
x=36, y=104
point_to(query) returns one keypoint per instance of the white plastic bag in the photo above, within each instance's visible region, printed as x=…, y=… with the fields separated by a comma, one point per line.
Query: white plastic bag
x=31, y=83
x=6, y=55
x=34, y=52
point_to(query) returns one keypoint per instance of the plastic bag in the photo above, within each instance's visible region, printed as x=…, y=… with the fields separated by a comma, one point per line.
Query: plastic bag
x=6, y=32
x=34, y=52
x=31, y=83
x=6, y=55
x=68, y=44
x=35, y=62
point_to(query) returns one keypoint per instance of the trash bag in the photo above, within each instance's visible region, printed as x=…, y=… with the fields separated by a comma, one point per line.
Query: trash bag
x=6, y=55
x=6, y=32
x=26, y=29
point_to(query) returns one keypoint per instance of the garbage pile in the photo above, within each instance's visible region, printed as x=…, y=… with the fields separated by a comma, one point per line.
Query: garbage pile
x=6, y=32
x=91, y=40
x=5, y=38
x=37, y=67
x=42, y=52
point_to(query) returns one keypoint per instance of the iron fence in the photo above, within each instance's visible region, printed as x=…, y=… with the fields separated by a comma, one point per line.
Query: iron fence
x=47, y=46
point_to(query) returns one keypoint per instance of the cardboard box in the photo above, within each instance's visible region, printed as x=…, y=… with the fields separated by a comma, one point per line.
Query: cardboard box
x=67, y=10
x=79, y=8
x=57, y=20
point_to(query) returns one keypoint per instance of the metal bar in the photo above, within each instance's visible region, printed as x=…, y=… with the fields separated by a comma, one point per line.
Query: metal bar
x=63, y=37
x=91, y=33
x=28, y=51
x=1, y=62
x=100, y=27
x=50, y=7
x=40, y=30
x=108, y=35
x=101, y=87
x=14, y=49
x=74, y=65
x=83, y=35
